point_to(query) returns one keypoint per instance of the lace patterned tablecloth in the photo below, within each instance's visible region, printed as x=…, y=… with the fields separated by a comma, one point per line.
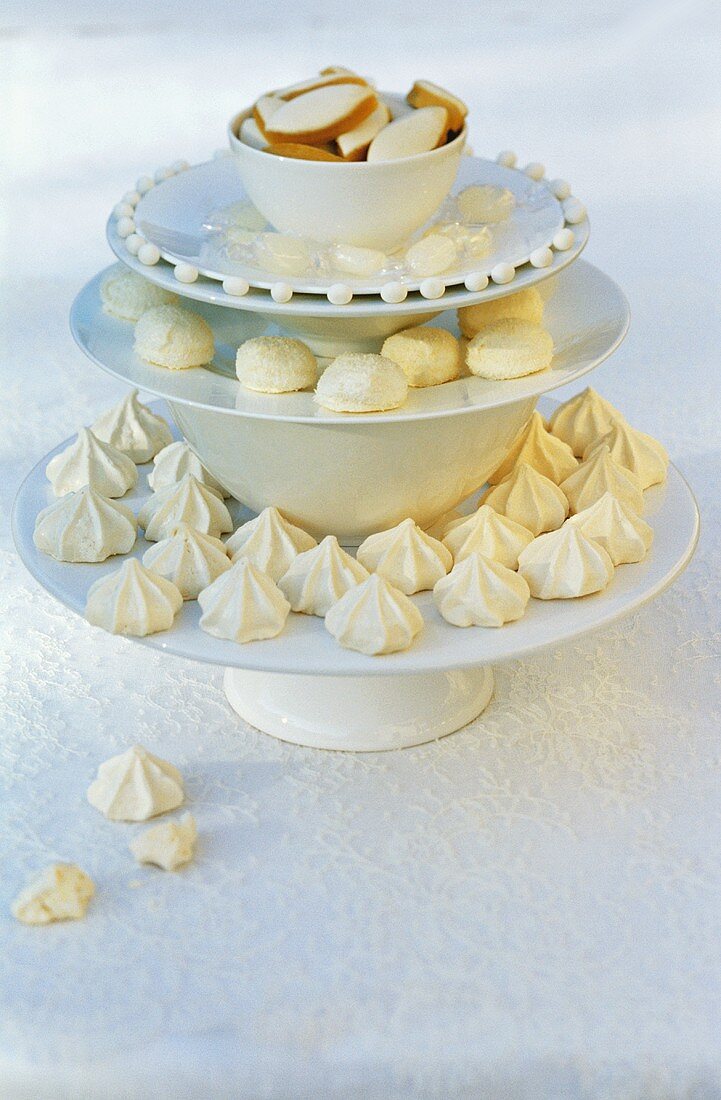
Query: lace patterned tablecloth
x=529, y=908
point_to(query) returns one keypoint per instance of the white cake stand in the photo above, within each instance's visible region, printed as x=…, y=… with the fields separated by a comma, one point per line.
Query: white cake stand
x=304, y=688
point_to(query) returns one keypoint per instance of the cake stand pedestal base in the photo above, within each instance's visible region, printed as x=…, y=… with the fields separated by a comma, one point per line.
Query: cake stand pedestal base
x=359, y=713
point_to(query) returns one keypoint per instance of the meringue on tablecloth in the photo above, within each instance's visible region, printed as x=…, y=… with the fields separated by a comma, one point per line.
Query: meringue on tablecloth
x=136, y=785
x=60, y=892
x=169, y=845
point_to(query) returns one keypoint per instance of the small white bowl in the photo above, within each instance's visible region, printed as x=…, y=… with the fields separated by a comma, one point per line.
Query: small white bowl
x=371, y=205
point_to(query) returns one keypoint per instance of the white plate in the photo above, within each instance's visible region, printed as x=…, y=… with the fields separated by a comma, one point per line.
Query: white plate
x=184, y=217
x=309, y=297
x=586, y=313
x=306, y=648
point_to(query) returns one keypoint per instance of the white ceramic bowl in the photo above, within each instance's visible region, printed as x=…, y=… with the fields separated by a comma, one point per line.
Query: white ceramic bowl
x=351, y=479
x=373, y=205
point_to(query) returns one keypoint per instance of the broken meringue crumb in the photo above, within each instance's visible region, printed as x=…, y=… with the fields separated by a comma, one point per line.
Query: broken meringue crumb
x=61, y=892
x=169, y=845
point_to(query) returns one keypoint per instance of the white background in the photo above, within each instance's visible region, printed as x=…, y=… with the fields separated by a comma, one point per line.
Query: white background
x=527, y=909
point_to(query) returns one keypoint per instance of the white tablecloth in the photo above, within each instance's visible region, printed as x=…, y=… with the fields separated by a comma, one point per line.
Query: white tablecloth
x=529, y=908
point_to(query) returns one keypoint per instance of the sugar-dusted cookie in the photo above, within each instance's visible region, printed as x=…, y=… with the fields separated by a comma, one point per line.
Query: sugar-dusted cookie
x=525, y=305
x=128, y=295
x=509, y=348
x=362, y=383
x=427, y=356
x=276, y=364
x=173, y=337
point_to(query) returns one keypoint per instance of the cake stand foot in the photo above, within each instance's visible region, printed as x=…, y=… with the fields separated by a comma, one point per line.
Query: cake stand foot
x=359, y=713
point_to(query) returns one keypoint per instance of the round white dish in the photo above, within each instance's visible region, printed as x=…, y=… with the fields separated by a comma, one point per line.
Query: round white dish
x=371, y=205
x=181, y=216
x=305, y=648
x=586, y=314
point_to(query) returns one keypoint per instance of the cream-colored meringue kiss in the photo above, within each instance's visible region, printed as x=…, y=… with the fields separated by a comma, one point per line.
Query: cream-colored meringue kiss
x=187, y=502
x=85, y=527
x=530, y=499
x=489, y=533
x=136, y=785
x=188, y=558
x=133, y=428
x=638, y=452
x=133, y=601
x=89, y=461
x=270, y=542
x=408, y=558
x=599, y=474
x=317, y=578
x=243, y=605
x=374, y=618
x=581, y=421
x=535, y=445
x=617, y=528
x=564, y=565
x=175, y=461
x=481, y=592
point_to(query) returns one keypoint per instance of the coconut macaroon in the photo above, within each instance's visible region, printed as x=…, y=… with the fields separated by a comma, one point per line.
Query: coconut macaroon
x=127, y=295
x=427, y=356
x=276, y=364
x=361, y=384
x=173, y=337
x=509, y=349
x=524, y=305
